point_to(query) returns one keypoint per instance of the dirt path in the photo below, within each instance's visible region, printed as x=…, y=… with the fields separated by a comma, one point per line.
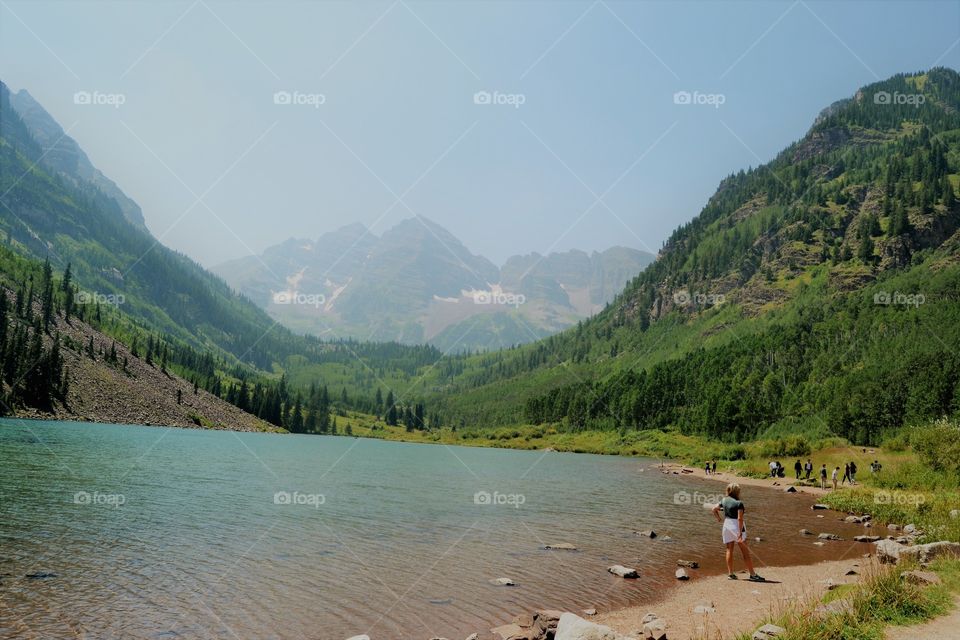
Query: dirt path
x=737, y=606
x=943, y=628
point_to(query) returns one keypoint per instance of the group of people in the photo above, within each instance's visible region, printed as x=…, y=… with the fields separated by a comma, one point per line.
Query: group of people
x=805, y=470
x=710, y=468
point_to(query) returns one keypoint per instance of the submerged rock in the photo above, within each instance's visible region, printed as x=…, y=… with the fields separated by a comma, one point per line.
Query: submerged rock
x=647, y=534
x=560, y=546
x=689, y=564
x=866, y=538
x=623, y=572
x=503, y=582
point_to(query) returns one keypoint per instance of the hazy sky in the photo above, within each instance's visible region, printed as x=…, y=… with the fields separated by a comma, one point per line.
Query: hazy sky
x=586, y=93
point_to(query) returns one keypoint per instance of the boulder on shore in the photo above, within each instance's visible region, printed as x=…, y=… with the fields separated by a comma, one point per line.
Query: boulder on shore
x=573, y=627
x=927, y=553
x=819, y=507
x=888, y=551
x=922, y=578
x=768, y=631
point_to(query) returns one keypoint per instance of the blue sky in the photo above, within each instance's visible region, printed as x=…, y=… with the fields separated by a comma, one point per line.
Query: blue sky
x=597, y=154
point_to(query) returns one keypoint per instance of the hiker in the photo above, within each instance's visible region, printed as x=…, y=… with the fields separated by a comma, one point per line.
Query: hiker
x=808, y=468
x=773, y=468
x=853, y=472
x=798, y=468
x=714, y=471
x=706, y=468
x=836, y=472
x=734, y=531
x=823, y=476
x=781, y=471
x=846, y=472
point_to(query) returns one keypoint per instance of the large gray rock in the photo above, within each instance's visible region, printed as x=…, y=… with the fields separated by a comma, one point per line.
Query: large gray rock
x=573, y=627
x=888, y=551
x=922, y=578
x=926, y=553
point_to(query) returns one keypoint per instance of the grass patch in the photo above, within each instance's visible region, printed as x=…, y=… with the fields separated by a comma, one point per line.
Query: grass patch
x=882, y=599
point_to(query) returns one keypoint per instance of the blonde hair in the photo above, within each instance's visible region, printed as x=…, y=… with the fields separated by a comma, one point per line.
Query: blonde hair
x=733, y=490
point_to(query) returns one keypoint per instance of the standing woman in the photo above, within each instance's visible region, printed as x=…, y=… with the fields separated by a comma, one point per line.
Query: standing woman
x=734, y=531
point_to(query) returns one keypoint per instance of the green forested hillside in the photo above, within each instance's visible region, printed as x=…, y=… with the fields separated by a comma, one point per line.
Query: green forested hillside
x=163, y=305
x=820, y=290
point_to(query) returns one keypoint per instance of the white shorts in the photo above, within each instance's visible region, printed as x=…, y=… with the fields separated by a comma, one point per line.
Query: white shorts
x=730, y=526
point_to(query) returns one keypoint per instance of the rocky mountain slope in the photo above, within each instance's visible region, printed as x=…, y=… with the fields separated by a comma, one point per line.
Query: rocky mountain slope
x=418, y=283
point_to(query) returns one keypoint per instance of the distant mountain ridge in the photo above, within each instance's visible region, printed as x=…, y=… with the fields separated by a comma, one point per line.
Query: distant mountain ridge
x=418, y=283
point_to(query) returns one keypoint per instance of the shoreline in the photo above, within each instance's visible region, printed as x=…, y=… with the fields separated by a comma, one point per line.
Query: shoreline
x=715, y=607
x=718, y=608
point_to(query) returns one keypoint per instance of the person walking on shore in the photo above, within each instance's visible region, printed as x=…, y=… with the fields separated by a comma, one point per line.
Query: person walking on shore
x=798, y=468
x=836, y=474
x=823, y=476
x=808, y=468
x=734, y=530
x=853, y=472
x=846, y=473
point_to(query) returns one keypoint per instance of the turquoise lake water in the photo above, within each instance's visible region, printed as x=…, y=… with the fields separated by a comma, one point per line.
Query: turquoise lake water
x=147, y=532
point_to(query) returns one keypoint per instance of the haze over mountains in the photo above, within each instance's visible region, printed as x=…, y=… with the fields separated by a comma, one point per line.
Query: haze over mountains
x=418, y=283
